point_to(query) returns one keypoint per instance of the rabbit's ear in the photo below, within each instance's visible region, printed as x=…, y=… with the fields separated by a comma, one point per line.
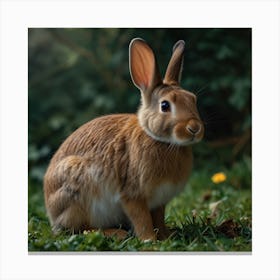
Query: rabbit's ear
x=175, y=66
x=143, y=66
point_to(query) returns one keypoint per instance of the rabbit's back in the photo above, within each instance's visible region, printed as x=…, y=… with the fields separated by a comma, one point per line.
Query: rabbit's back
x=94, y=137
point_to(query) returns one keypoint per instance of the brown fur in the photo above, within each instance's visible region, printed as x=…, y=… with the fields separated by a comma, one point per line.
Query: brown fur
x=127, y=165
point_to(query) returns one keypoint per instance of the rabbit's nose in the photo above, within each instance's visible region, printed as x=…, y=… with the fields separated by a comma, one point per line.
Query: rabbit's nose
x=193, y=127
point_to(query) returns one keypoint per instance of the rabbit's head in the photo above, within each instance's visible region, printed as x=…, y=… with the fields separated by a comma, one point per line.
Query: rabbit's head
x=168, y=113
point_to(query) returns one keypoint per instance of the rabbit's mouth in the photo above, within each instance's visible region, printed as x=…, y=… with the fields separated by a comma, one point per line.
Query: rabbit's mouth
x=188, y=133
x=186, y=142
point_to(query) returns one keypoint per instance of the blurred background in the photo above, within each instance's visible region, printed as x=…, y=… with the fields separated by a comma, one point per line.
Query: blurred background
x=77, y=74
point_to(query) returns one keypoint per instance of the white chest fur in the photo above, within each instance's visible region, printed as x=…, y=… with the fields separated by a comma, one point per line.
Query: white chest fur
x=107, y=210
x=163, y=194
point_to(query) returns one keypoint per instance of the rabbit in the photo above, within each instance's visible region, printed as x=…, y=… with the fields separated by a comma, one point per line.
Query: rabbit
x=119, y=171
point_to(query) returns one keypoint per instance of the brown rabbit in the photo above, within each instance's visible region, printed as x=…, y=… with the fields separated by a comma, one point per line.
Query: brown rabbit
x=123, y=169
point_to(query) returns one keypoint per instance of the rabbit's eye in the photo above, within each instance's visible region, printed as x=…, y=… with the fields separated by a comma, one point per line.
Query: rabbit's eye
x=165, y=106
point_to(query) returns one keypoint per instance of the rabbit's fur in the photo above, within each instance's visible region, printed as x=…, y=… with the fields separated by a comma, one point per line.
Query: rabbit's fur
x=121, y=170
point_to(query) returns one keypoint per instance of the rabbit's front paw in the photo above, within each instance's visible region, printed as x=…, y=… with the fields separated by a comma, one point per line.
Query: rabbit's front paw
x=148, y=237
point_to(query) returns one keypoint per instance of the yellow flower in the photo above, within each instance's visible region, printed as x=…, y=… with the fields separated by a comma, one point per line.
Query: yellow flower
x=218, y=178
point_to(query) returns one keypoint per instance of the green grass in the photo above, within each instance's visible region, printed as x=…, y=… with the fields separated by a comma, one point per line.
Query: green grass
x=199, y=226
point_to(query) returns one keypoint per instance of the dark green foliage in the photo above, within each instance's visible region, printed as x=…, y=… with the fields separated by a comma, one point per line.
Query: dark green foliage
x=78, y=74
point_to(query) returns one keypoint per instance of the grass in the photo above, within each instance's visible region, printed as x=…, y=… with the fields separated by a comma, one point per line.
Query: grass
x=206, y=217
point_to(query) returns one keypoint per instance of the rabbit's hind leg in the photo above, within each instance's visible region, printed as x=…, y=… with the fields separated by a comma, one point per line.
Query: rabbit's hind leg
x=68, y=193
x=67, y=214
